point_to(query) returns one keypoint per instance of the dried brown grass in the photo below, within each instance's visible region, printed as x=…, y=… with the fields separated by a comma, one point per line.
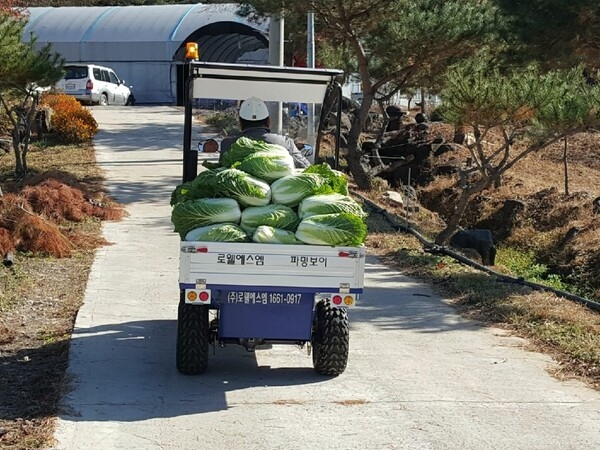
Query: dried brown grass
x=42, y=225
x=38, y=219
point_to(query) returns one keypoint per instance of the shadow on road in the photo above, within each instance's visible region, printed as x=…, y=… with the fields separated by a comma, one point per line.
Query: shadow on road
x=392, y=301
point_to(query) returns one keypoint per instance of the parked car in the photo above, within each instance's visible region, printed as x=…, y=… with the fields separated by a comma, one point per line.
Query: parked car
x=94, y=84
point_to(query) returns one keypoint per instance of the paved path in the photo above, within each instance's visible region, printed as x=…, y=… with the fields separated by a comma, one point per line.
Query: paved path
x=419, y=377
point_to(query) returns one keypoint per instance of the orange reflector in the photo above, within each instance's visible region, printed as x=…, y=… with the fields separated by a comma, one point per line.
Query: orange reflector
x=192, y=296
x=348, y=300
x=192, y=50
x=337, y=299
x=204, y=296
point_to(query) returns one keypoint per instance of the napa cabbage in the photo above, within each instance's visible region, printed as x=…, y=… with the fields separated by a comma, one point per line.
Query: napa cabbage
x=336, y=179
x=270, y=235
x=191, y=214
x=218, y=232
x=291, y=189
x=246, y=189
x=244, y=147
x=181, y=193
x=340, y=229
x=329, y=204
x=275, y=215
x=268, y=166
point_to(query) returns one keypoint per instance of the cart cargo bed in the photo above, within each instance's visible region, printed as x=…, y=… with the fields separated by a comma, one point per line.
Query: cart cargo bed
x=264, y=267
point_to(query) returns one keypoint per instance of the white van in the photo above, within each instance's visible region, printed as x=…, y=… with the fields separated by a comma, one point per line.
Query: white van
x=95, y=84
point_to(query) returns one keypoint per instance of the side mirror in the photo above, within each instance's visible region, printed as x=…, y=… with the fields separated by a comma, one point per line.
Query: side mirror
x=122, y=82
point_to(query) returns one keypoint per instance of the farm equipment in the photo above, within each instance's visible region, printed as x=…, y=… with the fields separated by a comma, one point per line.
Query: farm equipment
x=252, y=294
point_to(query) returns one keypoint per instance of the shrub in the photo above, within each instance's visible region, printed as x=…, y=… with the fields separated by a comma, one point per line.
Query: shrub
x=226, y=122
x=70, y=121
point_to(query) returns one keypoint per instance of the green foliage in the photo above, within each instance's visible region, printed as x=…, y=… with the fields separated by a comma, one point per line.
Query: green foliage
x=23, y=69
x=524, y=264
x=556, y=33
x=544, y=104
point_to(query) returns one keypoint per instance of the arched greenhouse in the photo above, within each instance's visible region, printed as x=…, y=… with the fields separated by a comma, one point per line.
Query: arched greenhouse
x=144, y=44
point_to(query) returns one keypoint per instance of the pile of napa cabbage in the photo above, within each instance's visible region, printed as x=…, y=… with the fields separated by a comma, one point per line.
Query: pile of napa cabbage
x=258, y=196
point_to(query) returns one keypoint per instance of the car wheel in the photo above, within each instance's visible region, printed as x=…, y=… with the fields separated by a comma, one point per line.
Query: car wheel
x=103, y=100
x=130, y=101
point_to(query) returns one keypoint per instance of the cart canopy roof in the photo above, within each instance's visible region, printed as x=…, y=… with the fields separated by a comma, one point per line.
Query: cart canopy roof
x=270, y=83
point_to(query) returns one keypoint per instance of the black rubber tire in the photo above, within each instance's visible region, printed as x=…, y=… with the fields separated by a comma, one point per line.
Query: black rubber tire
x=130, y=101
x=330, y=339
x=193, y=335
x=103, y=100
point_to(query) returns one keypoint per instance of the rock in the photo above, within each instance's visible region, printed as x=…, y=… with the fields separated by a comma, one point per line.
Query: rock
x=394, y=197
x=480, y=240
x=596, y=206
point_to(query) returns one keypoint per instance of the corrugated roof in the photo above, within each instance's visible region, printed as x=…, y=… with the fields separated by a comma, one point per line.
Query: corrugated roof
x=143, y=44
x=146, y=32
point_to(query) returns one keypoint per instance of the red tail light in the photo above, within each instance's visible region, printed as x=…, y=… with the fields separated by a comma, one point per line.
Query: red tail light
x=89, y=85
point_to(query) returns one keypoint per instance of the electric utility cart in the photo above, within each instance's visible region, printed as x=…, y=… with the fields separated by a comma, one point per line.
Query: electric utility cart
x=250, y=293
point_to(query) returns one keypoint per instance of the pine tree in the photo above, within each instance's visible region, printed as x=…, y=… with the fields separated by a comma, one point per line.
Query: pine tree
x=24, y=69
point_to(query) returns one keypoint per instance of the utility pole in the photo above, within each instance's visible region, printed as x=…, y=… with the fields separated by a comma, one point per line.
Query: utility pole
x=276, y=47
x=310, y=62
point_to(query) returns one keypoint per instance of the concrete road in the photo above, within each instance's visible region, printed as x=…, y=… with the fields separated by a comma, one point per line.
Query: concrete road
x=418, y=377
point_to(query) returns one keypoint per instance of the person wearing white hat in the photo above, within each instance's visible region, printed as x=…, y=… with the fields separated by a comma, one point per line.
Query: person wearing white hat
x=254, y=123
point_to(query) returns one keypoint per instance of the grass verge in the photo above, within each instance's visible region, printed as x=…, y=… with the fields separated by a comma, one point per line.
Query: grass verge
x=39, y=299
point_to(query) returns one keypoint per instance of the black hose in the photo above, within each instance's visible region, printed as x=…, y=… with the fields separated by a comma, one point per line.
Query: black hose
x=433, y=248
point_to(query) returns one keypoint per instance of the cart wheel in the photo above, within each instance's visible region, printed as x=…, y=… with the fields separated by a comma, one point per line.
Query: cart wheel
x=193, y=334
x=330, y=339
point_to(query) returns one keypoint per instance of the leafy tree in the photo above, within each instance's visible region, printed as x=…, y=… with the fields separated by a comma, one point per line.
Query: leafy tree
x=389, y=45
x=530, y=109
x=23, y=71
x=556, y=33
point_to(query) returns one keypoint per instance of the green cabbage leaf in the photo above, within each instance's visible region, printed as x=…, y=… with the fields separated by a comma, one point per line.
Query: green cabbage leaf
x=292, y=189
x=340, y=229
x=196, y=213
x=219, y=232
x=246, y=189
x=329, y=204
x=182, y=193
x=274, y=215
x=270, y=235
x=267, y=166
x=244, y=147
x=336, y=179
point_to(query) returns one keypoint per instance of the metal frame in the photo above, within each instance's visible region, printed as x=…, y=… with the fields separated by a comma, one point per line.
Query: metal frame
x=271, y=83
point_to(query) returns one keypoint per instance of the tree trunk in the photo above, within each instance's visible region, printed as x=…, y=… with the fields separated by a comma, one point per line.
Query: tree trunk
x=360, y=173
x=566, y=164
x=461, y=206
x=28, y=123
x=16, y=140
x=423, y=103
